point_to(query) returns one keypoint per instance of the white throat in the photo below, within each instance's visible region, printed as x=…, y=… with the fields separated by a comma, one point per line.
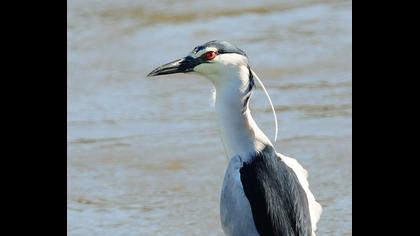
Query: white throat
x=239, y=132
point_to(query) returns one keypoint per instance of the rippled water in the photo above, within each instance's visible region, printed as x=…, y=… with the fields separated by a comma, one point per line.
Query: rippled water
x=144, y=155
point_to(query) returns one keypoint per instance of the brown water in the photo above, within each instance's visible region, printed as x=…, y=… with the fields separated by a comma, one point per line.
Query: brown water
x=144, y=156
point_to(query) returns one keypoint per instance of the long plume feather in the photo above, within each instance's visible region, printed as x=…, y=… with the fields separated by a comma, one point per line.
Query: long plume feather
x=269, y=100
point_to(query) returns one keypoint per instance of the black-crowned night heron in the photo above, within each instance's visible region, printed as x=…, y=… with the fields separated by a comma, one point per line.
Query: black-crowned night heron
x=264, y=192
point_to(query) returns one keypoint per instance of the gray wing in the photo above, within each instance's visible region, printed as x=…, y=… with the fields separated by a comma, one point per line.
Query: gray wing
x=278, y=202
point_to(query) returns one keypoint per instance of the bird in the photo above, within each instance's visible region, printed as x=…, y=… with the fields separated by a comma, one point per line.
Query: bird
x=263, y=192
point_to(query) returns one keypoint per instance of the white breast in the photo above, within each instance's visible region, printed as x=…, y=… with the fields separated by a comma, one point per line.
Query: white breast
x=235, y=210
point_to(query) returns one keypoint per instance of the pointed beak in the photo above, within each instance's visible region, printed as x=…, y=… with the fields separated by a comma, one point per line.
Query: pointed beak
x=183, y=65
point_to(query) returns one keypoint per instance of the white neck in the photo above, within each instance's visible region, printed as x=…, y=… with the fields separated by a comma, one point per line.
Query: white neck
x=239, y=132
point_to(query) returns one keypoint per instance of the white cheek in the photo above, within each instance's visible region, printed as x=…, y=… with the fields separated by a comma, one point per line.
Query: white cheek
x=207, y=69
x=232, y=59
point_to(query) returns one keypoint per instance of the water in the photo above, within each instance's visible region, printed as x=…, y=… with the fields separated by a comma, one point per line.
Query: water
x=144, y=155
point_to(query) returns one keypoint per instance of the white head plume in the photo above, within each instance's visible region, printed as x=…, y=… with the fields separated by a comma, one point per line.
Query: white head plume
x=269, y=100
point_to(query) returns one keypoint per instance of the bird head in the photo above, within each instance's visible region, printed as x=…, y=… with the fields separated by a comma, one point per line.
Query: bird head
x=214, y=60
x=221, y=62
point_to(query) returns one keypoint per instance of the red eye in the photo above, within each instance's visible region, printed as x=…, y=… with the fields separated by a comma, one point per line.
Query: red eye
x=210, y=55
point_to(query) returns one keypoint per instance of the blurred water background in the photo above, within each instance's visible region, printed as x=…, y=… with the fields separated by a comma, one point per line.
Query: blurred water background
x=144, y=155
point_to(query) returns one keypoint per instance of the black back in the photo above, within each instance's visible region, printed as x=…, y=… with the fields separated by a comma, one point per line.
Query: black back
x=278, y=202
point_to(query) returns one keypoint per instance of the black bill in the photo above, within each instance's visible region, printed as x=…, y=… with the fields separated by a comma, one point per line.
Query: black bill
x=183, y=65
